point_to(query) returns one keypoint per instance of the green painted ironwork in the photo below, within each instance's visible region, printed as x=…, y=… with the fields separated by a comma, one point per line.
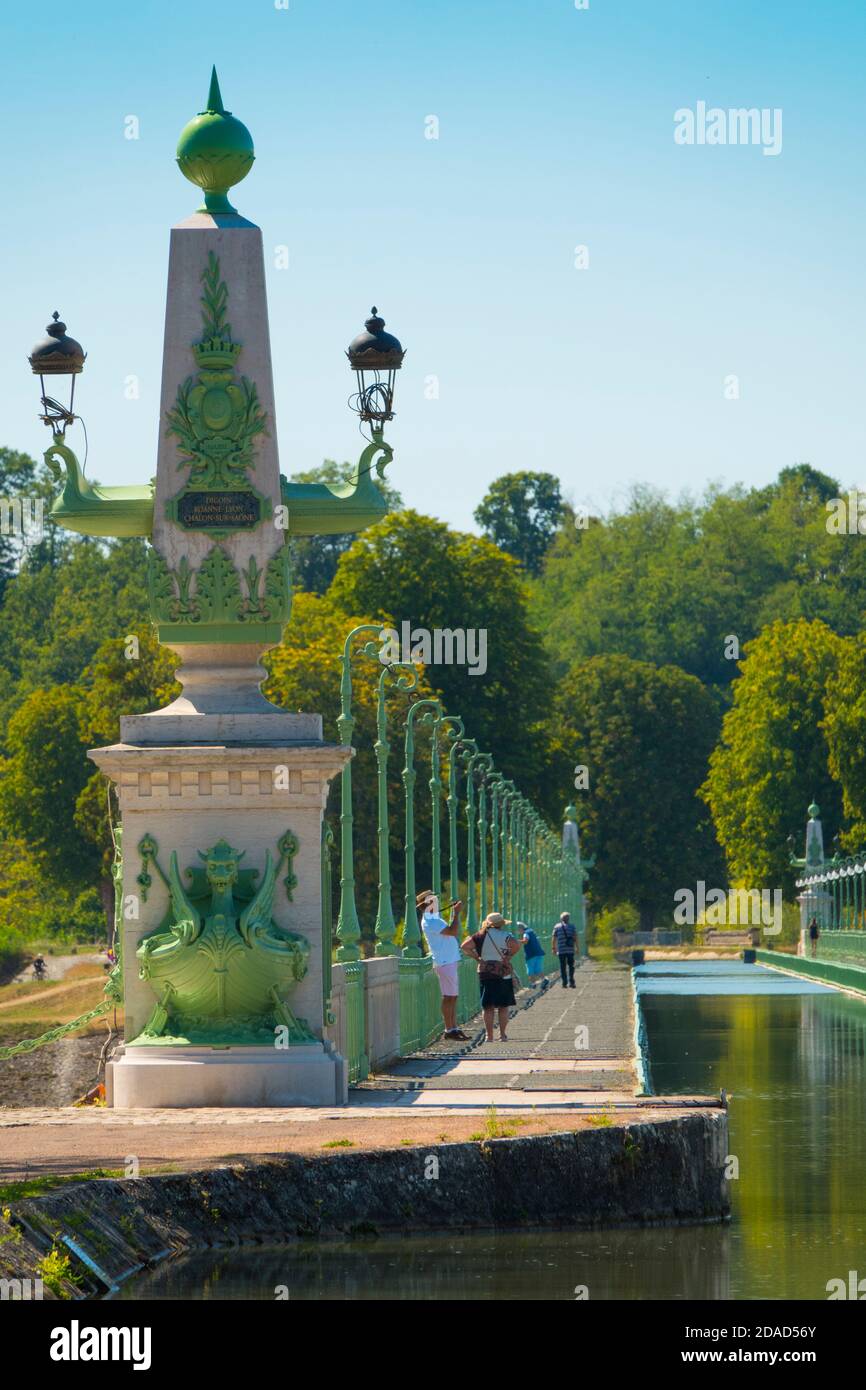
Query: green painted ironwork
x=355, y=1022
x=327, y=922
x=386, y=928
x=485, y=763
x=427, y=711
x=215, y=418
x=348, y=926
x=453, y=806
x=470, y=755
x=54, y=1034
x=218, y=964
x=507, y=795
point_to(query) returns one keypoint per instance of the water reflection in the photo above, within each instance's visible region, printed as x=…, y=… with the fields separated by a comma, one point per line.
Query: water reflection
x=678, y=1263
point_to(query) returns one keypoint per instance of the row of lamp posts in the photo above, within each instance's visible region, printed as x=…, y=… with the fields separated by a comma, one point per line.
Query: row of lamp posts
x=530, y=875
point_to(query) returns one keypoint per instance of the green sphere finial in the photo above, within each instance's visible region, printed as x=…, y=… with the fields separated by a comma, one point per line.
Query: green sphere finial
x=215, y=151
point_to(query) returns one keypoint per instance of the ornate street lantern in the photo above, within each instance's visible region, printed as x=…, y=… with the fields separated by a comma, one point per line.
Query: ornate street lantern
x=56, y=356
x=374, y=356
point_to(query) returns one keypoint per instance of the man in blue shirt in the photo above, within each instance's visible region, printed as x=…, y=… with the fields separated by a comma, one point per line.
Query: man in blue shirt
x=441, y=938
x=533, y=953
x=564, y=937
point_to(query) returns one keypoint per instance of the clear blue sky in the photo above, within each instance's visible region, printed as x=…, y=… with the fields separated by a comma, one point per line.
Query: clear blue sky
x=556, y=129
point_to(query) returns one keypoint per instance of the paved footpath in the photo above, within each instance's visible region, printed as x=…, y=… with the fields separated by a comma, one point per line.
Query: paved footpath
x=565, y=1047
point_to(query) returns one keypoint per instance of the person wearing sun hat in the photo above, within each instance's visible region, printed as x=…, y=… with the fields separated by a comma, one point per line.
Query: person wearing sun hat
x=493, y=946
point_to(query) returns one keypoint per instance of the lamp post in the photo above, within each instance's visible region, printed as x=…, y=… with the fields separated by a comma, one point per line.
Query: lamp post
x=495, y=782
x=411, y=931
x=375, y=357
x=507, y=793
x=452, y=726
x=386, y=928
x=453, y=805
x=57, y=355
x=348, y=926
x=485, y=762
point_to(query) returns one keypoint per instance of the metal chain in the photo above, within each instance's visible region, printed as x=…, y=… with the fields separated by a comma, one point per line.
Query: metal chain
x=31, y=1044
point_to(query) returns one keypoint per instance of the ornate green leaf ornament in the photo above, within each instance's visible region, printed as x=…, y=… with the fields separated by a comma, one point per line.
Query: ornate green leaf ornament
x=215, y=419
x=219, y=965
x=219, y=597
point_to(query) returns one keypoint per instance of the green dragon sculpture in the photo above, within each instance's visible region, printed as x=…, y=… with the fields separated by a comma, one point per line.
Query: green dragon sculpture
x=219, y=964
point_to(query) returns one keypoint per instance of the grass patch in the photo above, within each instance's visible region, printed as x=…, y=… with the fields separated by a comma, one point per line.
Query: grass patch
x=496, y=1128
x=339, y=1144
x=32, y=1008
x=85, y=970
x=50, y=1182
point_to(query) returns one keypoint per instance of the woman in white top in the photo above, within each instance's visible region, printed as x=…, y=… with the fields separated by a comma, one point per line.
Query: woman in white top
x=493, y=946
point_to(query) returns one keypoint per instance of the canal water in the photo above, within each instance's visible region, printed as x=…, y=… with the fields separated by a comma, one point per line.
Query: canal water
x=791, y=1055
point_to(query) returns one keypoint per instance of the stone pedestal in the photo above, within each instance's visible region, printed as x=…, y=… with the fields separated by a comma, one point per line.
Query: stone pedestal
x=155, y=1078
x=186, y=797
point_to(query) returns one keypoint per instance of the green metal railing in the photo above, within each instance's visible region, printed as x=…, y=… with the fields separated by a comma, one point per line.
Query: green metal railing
x=511, y=860
x=833, y=891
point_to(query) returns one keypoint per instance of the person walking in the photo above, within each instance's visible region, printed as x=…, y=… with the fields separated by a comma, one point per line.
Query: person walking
x=534, y=953
x=564, y=937
x=493, y=947
x=814, y=933
x=441, y=938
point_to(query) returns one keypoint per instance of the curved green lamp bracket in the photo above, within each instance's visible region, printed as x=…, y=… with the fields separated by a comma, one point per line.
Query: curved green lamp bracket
x=314, y=509
x=319, y=509
x=93, y=510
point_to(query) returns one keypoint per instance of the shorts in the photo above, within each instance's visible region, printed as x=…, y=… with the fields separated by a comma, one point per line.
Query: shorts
x=535, y=965
x=448, y=978
x=497, y=993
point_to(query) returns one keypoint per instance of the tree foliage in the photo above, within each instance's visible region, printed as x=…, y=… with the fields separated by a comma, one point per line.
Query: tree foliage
x=520, y=514
x=645, y=735
x=773, y=757
x=670, y=582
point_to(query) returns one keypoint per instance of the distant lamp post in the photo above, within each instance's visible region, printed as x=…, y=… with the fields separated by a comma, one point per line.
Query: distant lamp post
x=57, y=355
x=375, y=357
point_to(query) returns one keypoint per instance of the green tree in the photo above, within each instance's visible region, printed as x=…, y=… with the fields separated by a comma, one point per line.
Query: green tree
x=644, y=734
x=520, y=513
x=128, y=675
x=772, y=759
x=844, y=727
x=673, y=582
x=54, y=619
x=41, y=778
x=315, y=558
x=412, y=568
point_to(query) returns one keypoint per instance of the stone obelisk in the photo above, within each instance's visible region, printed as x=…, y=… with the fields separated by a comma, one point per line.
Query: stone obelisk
x=221, y=794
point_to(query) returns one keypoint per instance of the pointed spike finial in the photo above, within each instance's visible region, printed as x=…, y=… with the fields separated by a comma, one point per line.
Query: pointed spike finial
x=214, y=96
